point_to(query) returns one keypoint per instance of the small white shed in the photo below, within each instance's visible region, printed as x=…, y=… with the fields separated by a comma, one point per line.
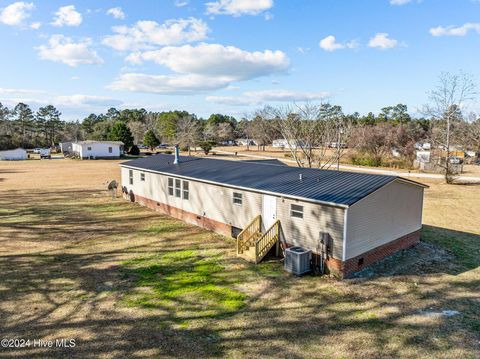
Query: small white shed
x=13, y=155
x=97, y=149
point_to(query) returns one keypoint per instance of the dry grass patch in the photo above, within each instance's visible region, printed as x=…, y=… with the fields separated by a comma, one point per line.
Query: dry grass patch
x=127, y=282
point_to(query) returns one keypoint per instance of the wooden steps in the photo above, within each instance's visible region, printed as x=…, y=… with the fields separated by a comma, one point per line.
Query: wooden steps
x=253, y=245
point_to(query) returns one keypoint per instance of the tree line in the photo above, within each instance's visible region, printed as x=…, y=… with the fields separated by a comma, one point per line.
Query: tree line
x=322, y=131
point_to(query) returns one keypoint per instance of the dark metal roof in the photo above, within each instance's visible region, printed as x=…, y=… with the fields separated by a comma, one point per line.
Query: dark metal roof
x=326, y=186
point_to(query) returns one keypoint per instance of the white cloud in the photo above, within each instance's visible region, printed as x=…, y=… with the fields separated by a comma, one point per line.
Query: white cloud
x=67, y=16
x=217, y=61
x=62, y=49
x=181, y=3
x=167, y=84
x=21, y=92
x=147, y=34
x=399, y=2
x=16, y=13
x=238, y=7
x=330, y=44
x=382, y=41
x=455, y=30
x=116, y=12
x=263, y=96
x=35, y=25
x=201, y=68
x=79, y=100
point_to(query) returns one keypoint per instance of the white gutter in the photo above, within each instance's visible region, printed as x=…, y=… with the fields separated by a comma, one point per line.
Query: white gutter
x=332, y=204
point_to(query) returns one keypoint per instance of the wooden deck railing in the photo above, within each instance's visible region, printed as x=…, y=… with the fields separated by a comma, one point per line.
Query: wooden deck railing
x=266, y=241
x=244, y=237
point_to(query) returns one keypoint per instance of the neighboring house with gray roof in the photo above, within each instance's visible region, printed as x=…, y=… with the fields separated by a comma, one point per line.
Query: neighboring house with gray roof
x=349, y=220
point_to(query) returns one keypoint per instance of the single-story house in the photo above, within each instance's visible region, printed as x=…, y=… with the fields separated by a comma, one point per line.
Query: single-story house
x=245, y=142
x=13, y=155
x=349, y=220
x=288, y=144
x=97, y=149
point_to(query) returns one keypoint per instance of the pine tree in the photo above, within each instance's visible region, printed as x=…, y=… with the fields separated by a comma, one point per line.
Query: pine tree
x=150, y=140
x=121, y=132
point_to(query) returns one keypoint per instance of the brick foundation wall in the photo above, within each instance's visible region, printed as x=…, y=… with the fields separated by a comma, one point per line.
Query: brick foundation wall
x=185, y=216
x=355, y=264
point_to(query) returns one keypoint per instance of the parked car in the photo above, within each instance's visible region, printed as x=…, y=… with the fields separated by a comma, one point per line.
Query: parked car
x=142, y=147
x=456, y=160
x=477, y=163
x=162, y=146
x=37, y=150
x=45, y=153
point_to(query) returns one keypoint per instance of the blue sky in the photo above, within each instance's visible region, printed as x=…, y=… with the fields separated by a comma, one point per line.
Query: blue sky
x=232, y=56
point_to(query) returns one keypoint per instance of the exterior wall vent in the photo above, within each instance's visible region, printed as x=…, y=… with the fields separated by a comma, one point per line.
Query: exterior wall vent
x=297, y=260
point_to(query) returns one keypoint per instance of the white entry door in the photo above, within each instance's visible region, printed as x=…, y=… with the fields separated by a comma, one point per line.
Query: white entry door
x=269, y=214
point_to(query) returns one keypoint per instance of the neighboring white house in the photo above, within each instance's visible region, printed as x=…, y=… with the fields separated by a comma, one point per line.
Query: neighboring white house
x=245, y=142
x=97, y=149
x=13, y=155
x=289, y=144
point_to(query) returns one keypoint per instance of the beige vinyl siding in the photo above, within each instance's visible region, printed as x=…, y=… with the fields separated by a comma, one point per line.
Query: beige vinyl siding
x=305, y=232
x=212, y=201
x=216, y=202
x=387, y=214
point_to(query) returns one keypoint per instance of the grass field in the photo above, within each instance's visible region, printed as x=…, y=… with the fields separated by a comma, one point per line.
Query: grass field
x=124, y=281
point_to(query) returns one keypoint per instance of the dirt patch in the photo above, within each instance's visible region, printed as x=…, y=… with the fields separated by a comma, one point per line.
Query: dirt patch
x=421, y=259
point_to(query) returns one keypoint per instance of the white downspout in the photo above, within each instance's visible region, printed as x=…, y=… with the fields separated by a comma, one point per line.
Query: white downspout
x=344, y=246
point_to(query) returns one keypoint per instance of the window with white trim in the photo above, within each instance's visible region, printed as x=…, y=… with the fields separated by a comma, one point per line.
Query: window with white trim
x=89, y=148
x=130, y=176
x=110, y=150
x=185, y=185
x=237, y=198
x=142, y=176
x=296, y=211
x=178, y=188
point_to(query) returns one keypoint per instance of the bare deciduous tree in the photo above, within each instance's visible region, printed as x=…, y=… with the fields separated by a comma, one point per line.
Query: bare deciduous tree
x=447, y=101
x=188, y=132
x=310, y=130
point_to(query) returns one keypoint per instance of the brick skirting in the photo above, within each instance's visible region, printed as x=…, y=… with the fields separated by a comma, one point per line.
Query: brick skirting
x=185, y=216
x=366, y=259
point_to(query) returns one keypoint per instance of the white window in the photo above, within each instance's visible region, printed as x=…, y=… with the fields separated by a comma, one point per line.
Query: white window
x=296, y=211
x=178, y=188
x=142, y=176
x=110, y=150
x=130, y=176
x=185, y=190
x=237, y=198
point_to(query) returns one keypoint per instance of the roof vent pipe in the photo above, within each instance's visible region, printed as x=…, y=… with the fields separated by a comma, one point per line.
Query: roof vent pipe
x=177, y=155
x=300, y=177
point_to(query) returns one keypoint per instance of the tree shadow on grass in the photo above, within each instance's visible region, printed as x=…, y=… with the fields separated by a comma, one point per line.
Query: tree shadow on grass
x=83, y=288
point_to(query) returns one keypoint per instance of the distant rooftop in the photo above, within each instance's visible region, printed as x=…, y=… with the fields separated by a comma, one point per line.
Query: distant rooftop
x=338, y=188
x=86, y=142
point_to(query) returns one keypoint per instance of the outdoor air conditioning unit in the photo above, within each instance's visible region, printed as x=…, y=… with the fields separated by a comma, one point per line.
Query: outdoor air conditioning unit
x=297, y=260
